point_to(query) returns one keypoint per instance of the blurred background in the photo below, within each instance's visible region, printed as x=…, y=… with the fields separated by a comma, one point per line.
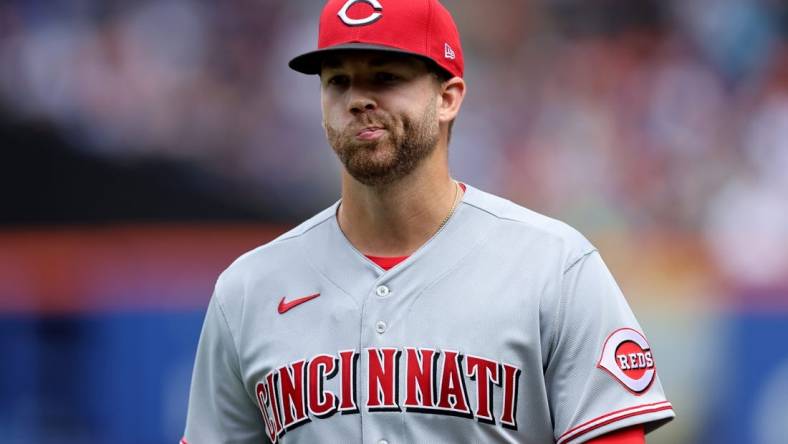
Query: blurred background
x=146, y=144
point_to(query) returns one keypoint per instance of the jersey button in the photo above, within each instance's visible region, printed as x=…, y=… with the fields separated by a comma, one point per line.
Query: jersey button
x=382, y=291
x=380, y=327
x=383, y=441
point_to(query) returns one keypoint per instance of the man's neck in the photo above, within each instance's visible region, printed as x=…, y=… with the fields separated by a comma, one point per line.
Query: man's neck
x=396, y=219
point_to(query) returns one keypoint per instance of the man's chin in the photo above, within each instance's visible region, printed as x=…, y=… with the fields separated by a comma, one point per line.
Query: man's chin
x=375, y=180
x=374, y=173
x=373, y=156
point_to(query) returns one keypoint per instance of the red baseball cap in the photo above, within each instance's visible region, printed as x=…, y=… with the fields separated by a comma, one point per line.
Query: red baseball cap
x=422, y=28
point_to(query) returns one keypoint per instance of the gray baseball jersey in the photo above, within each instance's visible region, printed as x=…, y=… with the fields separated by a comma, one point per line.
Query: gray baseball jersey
x=506, y=326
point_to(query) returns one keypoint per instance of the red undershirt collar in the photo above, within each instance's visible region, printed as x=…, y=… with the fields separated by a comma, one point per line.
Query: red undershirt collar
x=387, y=263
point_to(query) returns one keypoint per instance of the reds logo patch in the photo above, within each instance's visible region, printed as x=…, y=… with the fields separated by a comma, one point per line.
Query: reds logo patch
x=627, y=356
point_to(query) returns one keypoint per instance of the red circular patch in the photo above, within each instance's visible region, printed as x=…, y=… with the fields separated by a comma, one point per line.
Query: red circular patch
x=632, y=359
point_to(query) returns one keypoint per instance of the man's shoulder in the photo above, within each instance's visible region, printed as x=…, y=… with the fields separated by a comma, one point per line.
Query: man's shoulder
x=531, y=223
x=277, y=254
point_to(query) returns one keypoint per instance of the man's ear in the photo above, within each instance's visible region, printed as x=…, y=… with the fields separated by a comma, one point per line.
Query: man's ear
x=451, y=94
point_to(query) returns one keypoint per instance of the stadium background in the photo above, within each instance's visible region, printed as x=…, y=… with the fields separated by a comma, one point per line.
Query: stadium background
x=145, y=144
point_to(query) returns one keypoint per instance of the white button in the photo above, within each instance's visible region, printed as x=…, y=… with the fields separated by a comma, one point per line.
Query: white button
x=380, y=327
x=382, y=291
x=383, y=441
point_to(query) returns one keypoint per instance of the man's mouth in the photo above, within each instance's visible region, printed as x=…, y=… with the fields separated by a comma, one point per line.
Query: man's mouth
x=370, y=133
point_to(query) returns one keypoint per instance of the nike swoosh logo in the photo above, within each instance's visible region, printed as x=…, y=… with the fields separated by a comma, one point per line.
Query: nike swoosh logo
x=285, y=306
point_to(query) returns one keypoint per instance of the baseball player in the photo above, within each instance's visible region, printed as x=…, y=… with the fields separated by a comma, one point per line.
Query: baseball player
x=416, y=308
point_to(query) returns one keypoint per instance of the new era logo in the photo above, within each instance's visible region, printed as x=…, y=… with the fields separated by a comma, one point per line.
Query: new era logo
x=448, y=52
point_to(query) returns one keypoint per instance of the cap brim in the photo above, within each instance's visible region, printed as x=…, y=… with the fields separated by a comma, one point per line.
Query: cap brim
x=311, y=62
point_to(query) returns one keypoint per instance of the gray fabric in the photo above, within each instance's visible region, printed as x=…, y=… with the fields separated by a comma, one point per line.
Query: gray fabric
x=499, y=284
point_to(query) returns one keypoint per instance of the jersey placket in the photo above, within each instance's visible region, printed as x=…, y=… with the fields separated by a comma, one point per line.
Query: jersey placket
x=384, y=299
x=385, y=312
x=379, y=364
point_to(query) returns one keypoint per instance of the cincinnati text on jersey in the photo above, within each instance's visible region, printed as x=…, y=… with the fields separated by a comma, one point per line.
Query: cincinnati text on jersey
x=434, y=380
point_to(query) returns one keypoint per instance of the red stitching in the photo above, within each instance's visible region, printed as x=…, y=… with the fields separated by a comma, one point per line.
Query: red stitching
x=612, y=420
x=610, y=414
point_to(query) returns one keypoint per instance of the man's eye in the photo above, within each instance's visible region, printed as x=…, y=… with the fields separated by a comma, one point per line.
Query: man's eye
x=386, y=77
x=338, y=80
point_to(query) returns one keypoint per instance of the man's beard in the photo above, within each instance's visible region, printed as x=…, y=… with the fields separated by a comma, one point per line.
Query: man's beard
x=412, y=143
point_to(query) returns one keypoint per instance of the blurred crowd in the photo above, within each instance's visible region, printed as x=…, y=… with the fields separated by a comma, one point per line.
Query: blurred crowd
x=635, y=116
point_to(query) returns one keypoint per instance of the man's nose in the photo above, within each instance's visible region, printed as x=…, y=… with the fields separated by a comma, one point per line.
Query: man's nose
x=361, y=100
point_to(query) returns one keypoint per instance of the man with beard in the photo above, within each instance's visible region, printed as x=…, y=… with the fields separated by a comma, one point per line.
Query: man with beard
x=417, y=308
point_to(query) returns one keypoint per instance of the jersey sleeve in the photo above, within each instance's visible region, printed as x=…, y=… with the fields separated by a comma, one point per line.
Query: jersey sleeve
x=220, y=409
x=601, y=372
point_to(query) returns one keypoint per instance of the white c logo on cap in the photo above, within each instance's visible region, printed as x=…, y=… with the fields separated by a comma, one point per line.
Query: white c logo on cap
x=364, y=21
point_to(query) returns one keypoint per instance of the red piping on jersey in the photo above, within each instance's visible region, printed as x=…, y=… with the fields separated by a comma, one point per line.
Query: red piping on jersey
x=570, y=435
x=612, y=420
x=610, y=414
